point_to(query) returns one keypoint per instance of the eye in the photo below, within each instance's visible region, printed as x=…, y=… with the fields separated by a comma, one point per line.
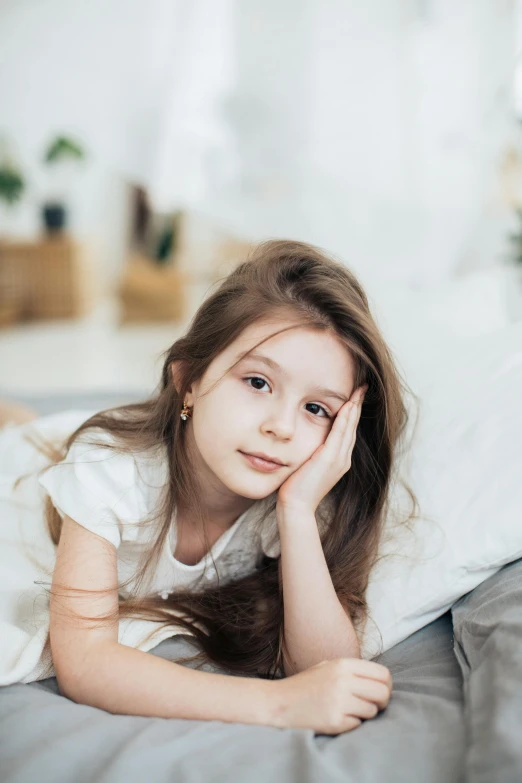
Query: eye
x=314, y=404
x=255, y=378
x=326, y=414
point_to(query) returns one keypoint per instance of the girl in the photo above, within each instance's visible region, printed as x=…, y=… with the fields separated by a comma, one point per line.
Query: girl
x=241, y=505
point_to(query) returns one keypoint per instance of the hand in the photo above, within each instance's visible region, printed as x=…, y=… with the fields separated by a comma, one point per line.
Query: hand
x=332, y=697
x=308, y=485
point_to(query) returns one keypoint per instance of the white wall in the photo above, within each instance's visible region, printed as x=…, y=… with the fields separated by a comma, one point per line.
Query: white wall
x=376, y=129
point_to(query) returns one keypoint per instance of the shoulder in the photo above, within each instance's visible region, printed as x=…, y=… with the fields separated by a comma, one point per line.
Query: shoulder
x=96, y=457
x=105, y=486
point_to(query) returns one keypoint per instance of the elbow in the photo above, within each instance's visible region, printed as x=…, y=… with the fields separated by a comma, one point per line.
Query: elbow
x=68, y=688
x=69, y=680
x=72, y=685
x=76, y=673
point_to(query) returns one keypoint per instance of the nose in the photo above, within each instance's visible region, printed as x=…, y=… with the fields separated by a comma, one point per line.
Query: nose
x=280, y=422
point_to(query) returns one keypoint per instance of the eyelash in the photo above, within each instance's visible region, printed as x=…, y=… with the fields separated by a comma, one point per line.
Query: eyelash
x=258, y=377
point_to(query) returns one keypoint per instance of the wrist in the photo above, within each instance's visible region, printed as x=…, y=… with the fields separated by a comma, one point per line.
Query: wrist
x=276, y=704
x=288, y=513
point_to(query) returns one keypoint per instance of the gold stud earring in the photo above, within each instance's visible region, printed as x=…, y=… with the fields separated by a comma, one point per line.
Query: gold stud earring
x=185, y=412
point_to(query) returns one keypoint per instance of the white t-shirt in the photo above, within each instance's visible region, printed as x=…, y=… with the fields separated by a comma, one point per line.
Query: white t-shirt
x=106, y=492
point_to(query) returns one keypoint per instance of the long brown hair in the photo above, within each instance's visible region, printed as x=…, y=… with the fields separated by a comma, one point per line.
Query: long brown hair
x=316, y=291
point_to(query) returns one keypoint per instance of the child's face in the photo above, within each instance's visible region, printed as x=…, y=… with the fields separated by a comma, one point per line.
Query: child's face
x=280, y=415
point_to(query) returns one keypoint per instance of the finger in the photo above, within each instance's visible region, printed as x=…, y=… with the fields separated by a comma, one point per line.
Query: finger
x=350, y=433
x=359, y=393
x=343, y=422
x=356, y=403
x=362, y=708
x=359, y=412
x=358, y=408
x=359, y=402
x=347, y=410
x=348, y=723
x=373, y=671
x=371, y=690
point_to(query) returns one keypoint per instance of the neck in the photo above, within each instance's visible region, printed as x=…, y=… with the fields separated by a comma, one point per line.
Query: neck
x=219, y=517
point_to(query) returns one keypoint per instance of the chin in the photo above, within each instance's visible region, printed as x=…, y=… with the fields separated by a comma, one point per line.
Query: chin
x=253, y=490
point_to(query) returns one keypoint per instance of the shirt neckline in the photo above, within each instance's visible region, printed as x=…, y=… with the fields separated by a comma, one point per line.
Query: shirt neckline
x=214, y=551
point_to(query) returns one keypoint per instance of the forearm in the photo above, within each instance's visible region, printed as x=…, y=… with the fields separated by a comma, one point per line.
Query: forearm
x=124, y=680
x=317, y=627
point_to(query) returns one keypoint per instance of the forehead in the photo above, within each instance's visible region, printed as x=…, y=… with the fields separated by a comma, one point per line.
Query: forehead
x=303, y=353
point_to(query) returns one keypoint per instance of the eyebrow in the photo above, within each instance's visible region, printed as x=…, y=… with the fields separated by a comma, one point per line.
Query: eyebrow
x=277, y=367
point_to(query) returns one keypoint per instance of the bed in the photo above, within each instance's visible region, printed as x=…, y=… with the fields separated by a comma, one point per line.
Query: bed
x=455, y=713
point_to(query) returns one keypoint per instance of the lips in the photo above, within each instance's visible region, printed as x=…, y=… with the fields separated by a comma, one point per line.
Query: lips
x=265, y=457
x=260, y=463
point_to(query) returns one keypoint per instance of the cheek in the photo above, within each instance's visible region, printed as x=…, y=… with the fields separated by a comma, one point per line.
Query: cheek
x=232, y=408
x=310, y=447
x=313, y=438
x=218, y=420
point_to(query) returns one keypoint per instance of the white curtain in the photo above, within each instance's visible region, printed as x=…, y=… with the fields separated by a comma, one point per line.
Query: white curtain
x=375, y=129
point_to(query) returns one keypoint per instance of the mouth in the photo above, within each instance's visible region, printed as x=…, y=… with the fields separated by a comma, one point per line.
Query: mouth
x=260, y=463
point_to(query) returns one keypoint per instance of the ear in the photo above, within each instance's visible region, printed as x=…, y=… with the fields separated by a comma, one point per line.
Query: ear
x=176, y=369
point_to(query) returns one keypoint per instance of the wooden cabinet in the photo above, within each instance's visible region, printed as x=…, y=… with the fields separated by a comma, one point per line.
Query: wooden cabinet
x=54, y=277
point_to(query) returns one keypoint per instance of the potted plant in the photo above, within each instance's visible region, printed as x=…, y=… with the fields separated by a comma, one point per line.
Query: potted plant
x=12, y=182
x=12, y=187
x=61, y=157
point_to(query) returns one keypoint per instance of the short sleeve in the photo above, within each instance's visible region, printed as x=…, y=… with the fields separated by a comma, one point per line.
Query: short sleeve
x=95, y=486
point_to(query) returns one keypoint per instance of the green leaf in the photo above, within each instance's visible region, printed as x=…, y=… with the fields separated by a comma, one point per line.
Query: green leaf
x=12, y=184
x=62, y=148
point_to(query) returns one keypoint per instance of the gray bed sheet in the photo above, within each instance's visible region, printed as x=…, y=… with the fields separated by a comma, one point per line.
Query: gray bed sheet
x=488, y=645
x=45, y=737
x=455, y=712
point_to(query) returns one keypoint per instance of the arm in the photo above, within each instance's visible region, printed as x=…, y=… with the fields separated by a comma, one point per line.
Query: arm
x=93, y=668
x=317, y=627
x=124, y=680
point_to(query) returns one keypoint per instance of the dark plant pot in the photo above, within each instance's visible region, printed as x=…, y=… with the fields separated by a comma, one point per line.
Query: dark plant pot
x=55, y=217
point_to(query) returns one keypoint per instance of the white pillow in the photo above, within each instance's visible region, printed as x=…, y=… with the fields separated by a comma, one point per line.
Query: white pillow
x=467, y=306
x=465, y=467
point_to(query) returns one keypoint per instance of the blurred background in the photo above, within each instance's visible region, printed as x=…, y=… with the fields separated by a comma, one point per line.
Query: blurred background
x=145, y=146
